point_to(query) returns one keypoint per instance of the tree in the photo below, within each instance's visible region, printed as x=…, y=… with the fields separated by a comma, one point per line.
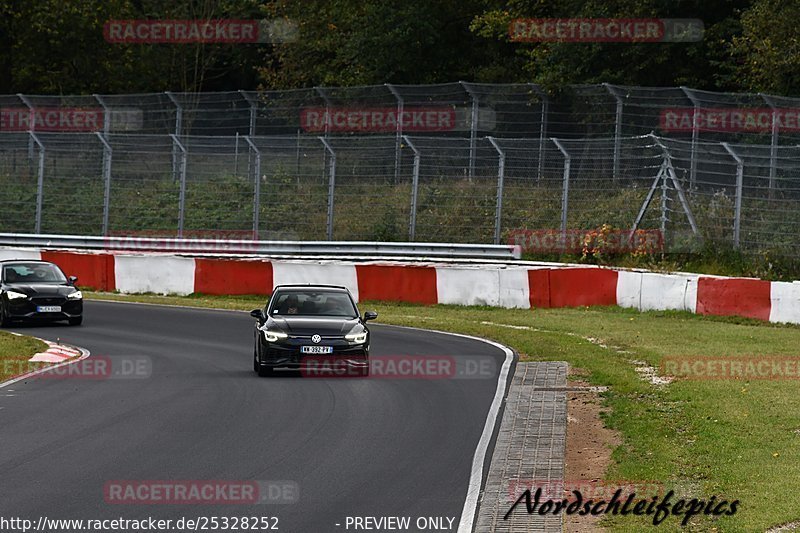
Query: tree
x=767, y=53
x=52, y=46
x=650, y=64
x=363, y=42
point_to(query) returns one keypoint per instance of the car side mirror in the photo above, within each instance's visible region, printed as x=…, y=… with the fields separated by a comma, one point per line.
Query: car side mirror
x=370, y=315
x=72, y=279
x=257, y=313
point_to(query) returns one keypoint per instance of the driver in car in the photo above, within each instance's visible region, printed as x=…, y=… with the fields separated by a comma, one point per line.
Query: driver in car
x=290, y=306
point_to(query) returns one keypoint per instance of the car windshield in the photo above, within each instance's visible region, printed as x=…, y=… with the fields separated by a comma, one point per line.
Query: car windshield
x=313, y=303
x=32, y=273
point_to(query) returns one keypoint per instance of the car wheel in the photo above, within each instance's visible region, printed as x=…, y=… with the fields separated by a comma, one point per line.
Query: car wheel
x=255, y=361
x=4, y=320
x=264, y=371
x=76, y=321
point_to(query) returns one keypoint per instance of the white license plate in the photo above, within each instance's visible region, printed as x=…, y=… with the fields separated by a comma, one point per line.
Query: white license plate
x=316, y=349
x=48, y=308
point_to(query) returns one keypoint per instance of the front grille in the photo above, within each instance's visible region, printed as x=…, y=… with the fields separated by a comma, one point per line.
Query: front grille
x=49, y=301
x=324, y=337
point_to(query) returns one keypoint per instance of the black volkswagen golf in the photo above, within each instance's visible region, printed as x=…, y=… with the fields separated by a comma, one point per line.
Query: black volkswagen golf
x=38, y=290
x=309, y=327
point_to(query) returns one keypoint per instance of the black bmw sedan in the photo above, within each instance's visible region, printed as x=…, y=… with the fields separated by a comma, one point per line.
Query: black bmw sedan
x=311, y=328
x=38, y=290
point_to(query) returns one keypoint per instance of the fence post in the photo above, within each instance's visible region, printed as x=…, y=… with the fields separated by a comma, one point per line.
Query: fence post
x=253, y=112
x=737, y=216
x=473, y=129
x=398, y=128
x=256, y=185
x=412, y=219
x=501, y=172
x=773, y=145
x=695, y=135
x=107, y=155
x=617, y=129
x=106, y=114
x=178, y=146
x=321, y=92
x=542, y=127
x=565, y=187
x=39, y=181
x=31, y=123
x=178, y=132
x=331, y=185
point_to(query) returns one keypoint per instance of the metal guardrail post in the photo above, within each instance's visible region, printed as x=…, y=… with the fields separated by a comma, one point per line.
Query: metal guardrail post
x=178, y=132
x=737, y=216
x=695, y=135
x=501, y=172
x=39, y=181
x=565, y=187
x=473, y=129
x=331, y=186
x=107, y=155
x=256, y=185
x=398, y=128
x=412, y=219
x=617, y=129
x=182, y=171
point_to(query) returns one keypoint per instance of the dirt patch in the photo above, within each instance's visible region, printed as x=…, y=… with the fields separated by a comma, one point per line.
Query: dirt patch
x=588, y=447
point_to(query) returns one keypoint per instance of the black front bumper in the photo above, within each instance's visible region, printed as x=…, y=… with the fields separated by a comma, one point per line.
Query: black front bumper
x=25, y=309
x=287, y=354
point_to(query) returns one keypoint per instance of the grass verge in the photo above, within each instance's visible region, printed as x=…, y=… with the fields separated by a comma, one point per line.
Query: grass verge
x=736, y=439
x=15, y=351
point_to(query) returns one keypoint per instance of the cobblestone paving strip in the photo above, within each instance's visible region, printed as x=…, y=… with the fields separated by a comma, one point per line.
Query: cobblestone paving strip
x=530, y=446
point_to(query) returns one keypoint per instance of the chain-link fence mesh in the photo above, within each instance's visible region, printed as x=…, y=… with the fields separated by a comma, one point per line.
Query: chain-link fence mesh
x=457, y=162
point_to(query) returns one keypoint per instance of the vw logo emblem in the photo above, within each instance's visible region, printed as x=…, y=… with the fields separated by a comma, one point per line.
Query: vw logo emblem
x=315, y=339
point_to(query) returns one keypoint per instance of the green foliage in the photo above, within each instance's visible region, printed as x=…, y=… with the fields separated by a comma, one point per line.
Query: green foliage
x=56, y=47
x=768, y=50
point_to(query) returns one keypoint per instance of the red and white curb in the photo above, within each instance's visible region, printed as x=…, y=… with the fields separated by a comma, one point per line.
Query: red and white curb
x=524, y=285
x=55, y=353
x=58, y=354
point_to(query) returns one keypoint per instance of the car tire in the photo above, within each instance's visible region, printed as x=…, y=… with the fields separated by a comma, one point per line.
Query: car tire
x=265, y=371
x=76, y=321
x=4, y=320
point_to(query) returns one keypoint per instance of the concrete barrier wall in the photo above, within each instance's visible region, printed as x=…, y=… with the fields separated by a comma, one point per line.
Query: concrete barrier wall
x=494, y=285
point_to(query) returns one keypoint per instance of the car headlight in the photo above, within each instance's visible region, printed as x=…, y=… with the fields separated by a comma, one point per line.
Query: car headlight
x=77, y=295
x=12, y=295
x=359, y=337
x=273, y=336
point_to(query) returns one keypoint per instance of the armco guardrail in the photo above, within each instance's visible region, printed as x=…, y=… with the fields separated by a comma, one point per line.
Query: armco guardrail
x=368, y=250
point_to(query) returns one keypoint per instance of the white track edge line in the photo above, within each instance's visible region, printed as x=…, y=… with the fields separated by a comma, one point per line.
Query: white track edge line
x=466, y=524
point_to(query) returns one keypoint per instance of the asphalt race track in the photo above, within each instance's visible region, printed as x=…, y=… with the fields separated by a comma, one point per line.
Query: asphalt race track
x=354, y=447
